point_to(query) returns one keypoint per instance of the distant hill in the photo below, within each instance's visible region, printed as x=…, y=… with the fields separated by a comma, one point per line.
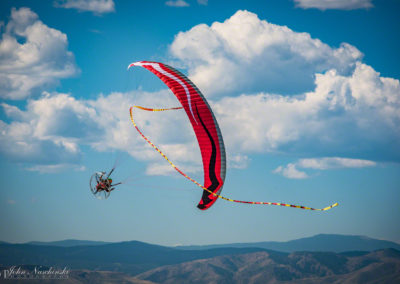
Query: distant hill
x=138, y=262
x=322, y=242
x=69, y=243
x=269, y=267
x=129, y=257
x=266, y=267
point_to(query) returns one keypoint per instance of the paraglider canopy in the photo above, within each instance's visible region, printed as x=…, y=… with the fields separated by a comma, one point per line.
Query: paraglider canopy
x=204, y=124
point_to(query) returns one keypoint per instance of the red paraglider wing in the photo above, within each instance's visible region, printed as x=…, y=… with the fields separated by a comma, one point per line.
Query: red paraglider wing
x=204, y=125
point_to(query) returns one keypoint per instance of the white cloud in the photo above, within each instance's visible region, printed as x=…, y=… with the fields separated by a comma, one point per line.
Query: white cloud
x=292, y=171
x=177, y=3
x=238, y=161
x=202, y=2
x=98, y=7
x=356, y=115
x=159, y=169
x=334, y=4
x=49, y=133
x=334, y=163
x=32, y=56
x=246, y=54
x=162, y=168
x=170, y=131
x=55, y=168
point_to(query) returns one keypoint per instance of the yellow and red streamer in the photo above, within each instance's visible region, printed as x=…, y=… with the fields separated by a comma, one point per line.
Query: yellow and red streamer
x=200, y=185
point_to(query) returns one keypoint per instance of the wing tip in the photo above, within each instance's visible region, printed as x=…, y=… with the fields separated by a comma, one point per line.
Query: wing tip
x=202, y=206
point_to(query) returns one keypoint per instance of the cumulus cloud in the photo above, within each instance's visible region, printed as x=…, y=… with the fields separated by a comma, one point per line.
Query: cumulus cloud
x=162, y=168
x=238, y=161
x=177, y=3
x=49, y=133
x=334, y=163
x=246, y=54
x=170, y=131
x=334, y=4
x=292, y=171
x=55, y=168
x=32, y=56
x=98, y=7
x=356, y=115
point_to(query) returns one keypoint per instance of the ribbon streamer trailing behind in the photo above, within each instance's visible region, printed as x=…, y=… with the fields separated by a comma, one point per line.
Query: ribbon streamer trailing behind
x=201, y=186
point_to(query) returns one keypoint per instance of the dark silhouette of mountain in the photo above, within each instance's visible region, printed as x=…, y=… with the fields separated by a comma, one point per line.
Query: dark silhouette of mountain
x=130, y=257
x=69, y=243
x=267, y=267
x=322, y=242
x=271, y=267
x=137, y=262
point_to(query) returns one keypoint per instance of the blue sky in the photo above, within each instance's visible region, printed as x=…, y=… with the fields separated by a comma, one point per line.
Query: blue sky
x=306, y=94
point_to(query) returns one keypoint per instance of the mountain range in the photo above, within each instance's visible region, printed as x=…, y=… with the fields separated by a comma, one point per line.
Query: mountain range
x=317, y=259
x=321, y=242
x=382, y=266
